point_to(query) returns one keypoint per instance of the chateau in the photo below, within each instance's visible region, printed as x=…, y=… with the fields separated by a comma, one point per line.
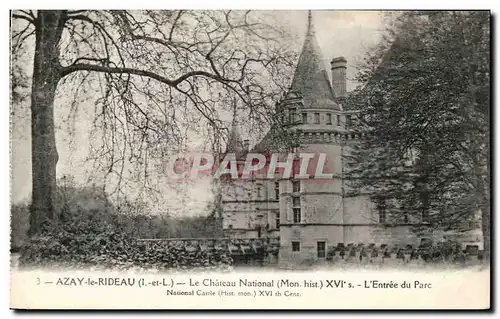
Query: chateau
x=308, y=215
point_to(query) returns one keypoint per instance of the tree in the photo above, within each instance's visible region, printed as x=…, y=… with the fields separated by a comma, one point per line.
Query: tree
x=153, y=72
x=425, y=120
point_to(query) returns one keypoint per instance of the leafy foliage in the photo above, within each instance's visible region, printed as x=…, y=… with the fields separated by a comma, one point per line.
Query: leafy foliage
x=87, y=244
x=94, y=233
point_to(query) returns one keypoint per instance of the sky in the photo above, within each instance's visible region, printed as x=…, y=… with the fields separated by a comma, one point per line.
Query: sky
x=340, y=33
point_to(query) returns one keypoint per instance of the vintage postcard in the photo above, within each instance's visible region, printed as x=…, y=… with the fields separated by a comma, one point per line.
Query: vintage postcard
x=229, y=159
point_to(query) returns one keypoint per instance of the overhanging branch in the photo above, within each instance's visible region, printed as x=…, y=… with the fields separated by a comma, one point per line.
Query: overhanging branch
x=23, y=17
x=116, y=70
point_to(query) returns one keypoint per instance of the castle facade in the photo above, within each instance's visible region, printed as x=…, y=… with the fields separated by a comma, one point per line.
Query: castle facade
x=309, y=216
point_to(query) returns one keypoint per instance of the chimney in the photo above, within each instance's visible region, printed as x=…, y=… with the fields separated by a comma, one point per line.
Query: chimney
x=339, y=66
x=246, y=145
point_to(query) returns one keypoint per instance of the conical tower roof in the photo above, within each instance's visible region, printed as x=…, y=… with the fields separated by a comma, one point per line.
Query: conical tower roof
x=311, y=77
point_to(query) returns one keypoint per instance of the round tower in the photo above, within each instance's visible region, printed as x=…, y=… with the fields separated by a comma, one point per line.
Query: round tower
x=312, y=204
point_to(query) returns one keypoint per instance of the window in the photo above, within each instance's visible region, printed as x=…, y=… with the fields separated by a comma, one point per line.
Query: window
x=425, y=215
x=277, y=190
x=259, y=191
x=295, y=245
x=473, y=225
x=296, y=186
x=338, y=120
x=292, y=115
x=348, y=120
x=296, y=166
x=381, y=214
x=321, y=249
x=277, y=220
x=304, y=118
x=381, y=207
x=406, y=218
x=297, y=215
x=329, y=119
x=316, y=118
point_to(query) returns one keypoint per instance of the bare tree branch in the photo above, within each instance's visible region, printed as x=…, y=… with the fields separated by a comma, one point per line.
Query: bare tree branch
x=98, y=68
x=161, y=76
x=23, y=17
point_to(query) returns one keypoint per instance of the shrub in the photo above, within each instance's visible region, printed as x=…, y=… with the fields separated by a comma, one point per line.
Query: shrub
x=90, y=242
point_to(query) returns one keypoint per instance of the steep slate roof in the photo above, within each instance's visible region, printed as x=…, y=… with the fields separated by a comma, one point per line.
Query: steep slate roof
x=311, y=77
x=310, y=80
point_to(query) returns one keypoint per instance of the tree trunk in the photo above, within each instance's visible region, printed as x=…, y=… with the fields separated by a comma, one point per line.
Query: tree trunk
x=46, y=75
